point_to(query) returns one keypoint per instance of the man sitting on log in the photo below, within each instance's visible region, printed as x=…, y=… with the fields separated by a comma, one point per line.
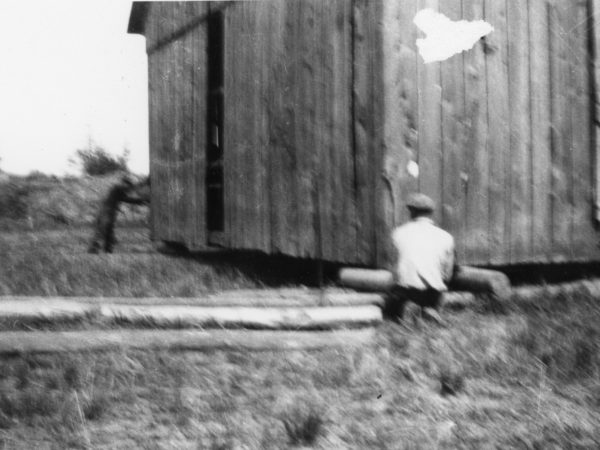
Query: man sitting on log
x=425, y=261
x=104, y=228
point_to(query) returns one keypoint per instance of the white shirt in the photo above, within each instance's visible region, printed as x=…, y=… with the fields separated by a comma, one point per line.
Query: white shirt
x=425, y=255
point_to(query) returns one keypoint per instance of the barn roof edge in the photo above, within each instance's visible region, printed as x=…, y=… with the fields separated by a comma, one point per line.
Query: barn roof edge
x=137, y=17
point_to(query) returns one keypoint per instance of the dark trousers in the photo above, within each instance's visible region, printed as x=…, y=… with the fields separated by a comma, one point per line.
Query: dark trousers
x=398, y=296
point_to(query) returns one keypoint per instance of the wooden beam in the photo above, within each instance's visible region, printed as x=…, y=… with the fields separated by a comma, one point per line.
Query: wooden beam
x=19, y=343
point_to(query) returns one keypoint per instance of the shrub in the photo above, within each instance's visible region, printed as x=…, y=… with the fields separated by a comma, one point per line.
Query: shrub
x=97, y=161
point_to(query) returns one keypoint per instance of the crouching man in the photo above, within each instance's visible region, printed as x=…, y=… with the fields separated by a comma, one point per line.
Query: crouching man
x=104, y=227
x=425, y=261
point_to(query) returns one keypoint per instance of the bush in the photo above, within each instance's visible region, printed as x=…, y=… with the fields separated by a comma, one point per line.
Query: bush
x=96, y=161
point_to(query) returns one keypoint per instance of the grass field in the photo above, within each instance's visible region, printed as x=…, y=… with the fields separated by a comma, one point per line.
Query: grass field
x=528, y=377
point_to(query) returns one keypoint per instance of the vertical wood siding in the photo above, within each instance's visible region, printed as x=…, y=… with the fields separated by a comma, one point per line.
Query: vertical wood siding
x=289, y=162
x=177, y=84
x=504, y=133
x=326, y=103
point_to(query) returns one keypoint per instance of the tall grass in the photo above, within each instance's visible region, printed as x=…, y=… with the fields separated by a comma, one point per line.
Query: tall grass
x=56, y=263
x=480, y=383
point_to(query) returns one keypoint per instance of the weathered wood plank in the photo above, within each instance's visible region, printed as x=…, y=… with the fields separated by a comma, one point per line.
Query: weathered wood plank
x=476, y=160
x=581, y=113
x=263, y=31
x=539, y=60
x=430, y=125
x=278, y=124
x=498, y=142
x=324, y=171
x=401, y=107
x=453, y=205
x=344, y=219
x=521, y=202
x=594, y=26
x=364, y=131
x=561, y=134
x=290, y=32
x=305, y=127
x=153, y=139
x=21, y=342
x=199, y=83
x=151, y=26
x=232, y=179
x=382, y=235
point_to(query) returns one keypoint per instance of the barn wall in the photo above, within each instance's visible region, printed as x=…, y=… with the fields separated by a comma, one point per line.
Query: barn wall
x=294, y=180
x=501, y=133
x=177, y=86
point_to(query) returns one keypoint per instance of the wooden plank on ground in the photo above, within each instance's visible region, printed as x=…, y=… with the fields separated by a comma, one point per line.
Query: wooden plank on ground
x=453, y=205
x=539, y=67
x=430, y=125
x=226, y=317
x=382, y=236
x=13, y=306
x=15, y=343
x=476, y=161
x=561, y=134
x=498, y=139
x=169, y=118
x=581, y=115
x=521, y=201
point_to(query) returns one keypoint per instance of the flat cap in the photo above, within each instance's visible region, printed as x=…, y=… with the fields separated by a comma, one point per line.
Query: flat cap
x=420, y=202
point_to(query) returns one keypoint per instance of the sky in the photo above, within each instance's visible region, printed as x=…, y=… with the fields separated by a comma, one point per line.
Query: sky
x=69, y=72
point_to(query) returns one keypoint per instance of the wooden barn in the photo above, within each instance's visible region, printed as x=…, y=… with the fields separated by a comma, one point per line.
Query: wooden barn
x=288, y=126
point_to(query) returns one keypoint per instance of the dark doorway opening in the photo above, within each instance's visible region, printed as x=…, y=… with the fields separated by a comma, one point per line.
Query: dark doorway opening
x=215, y=199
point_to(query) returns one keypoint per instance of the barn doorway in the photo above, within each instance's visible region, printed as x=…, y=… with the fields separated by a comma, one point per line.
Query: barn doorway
x=215, y=200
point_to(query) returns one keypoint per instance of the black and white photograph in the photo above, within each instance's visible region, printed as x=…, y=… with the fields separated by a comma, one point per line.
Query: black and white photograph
x=312, y=224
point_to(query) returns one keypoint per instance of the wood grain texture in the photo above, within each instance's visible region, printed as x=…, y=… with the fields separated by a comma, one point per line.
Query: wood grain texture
x=498, y=139
x=521, y=207
x=581, y=117
x=343, y=222
x=322, y=98
x=453, y=203
x=231, y=161
x=561, y=135
x=539, y=76
x=401, y=106
x=279, y=125
x=594, y=29
x=198, y=125
x=367, y=140
x=476, y=163
x=430, y=125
